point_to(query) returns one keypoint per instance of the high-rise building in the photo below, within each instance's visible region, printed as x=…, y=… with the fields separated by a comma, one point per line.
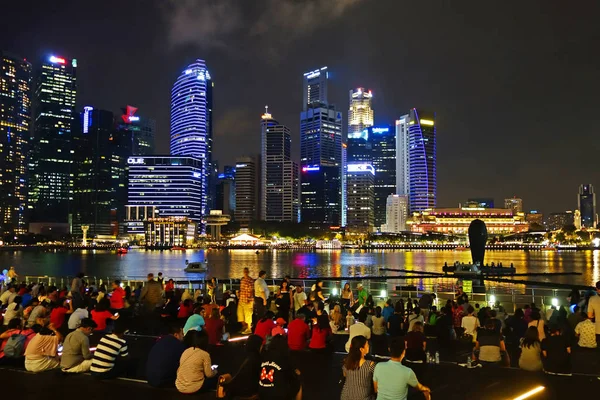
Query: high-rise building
x=482, y=202
x=402, y=156
x=139, y=130
x=225, y=194
x=100, y=174
x=559, y=220
x=360, y=213
x=360, y=114
x=396, y=214
x=191, y=124
x=50, y=165
x=15, y=124
x=315, y=87
x=586, y=203
x=515, y=204
x=279, y=174
x=247, y=190
x=383, y=154
x=534, y=217
x=422, y=160
x=321, y=162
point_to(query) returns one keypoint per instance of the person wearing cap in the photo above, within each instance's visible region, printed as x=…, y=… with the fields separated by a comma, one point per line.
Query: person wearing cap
x=279, y=330
x=362, y=294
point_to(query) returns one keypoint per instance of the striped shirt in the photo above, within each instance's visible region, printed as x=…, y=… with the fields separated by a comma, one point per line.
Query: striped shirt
x=109, y=348
x=359, y=382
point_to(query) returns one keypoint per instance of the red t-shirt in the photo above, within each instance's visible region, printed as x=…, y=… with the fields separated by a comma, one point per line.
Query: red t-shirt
x=297, y=334
x=100, y=318
x=214, y=329
x=116, y=298
x=319, y=338
x=57, y=316
x=263, y=328
x=169, y=287
x=184, y=311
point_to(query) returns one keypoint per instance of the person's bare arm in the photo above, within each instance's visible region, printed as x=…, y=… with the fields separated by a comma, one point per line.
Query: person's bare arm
x=503, y=348
x=375, y=386
x=569, y=349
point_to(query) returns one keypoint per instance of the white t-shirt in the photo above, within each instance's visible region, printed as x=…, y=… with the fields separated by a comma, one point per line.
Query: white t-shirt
x=470, y=323
x=299, y=299
x=412, y=318
x=594, y=309
x=358, y=329
x=76, y=317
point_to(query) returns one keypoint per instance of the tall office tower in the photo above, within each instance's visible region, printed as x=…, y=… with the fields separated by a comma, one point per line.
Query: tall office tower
x=383, y=155
x=559, y=220
x=402, y=156
x=396, y=213
x=360, y=213
x=586, y=203
x=279, y=174
x=50, y=165
x=515, y=204
x=315, y=87
x=360, y=114
x=191, y=124
x=321, y=162
x=139, y=130
x=422, y=160
x=15, y=122
x=100, y=174
x=225, y=194
x=344, y=183
x=247, y=190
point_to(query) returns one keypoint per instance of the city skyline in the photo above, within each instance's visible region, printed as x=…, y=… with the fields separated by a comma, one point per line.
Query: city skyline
x=471, y=94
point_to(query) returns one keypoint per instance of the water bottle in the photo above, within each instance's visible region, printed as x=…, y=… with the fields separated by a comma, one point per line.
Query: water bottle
x=469, y=362
x=437, y=357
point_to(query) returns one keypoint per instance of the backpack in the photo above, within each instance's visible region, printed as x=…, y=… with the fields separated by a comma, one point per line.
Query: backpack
x=15, y=345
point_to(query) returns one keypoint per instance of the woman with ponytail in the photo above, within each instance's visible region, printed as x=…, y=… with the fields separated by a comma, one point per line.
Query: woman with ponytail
x=358, y=372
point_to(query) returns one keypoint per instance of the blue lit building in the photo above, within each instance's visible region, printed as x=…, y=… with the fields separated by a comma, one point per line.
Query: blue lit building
x=51, y=161
x=382, y=141
x=422, y=160
x=225, y=191
x=360, y=180
x=191, y=126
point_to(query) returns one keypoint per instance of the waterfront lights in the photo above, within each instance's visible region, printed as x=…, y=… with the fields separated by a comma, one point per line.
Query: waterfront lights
x=492, y=299
x=334, y=291
x=530, y=393
x=555, y=302
x=596, y=242
x=383, y=294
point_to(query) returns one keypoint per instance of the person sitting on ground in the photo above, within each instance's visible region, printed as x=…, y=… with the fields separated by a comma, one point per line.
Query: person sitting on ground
x=163, y=360
x=308, y=310
x=359, y=328
x=538, y=322
x=195, y=372
x=214, y=327
x=556, y=351
x=515, y=327
x=298, y=333
x=170, y=308
x=395, y=324
x=101, y=315
x=575, y=318
x=265, y=325
x=14, y=310
x=80, y=313
x=42, y=352
x=490, y=345
x=416, y=344
x=111, y=355
x=278, y=379
x=76, y=356
x=531, y=351
x=279, y=327
x=195, y=321
x=59, y=314
x=186, y=308
x=493, y=315
x=39, y=311
x=414, y=317
x=244, y=382
x=9, y=295
x=15, y=340
x=586, y=332
x=358, y=372
x=321, y=332
x=391, y=379
x=470, y=323
x=337, y=319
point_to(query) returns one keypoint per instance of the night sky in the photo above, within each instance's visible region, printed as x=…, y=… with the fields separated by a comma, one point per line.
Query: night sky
x=514, y=84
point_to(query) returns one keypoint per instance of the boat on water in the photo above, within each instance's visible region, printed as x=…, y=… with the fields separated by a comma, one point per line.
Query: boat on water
x=122, y=250
x=462, y=269
x=178, y=248
x=196, y=267
x=549, y=248
x=460, y=248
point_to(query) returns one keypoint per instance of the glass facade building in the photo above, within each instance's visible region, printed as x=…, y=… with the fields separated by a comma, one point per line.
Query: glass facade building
x=360, y=114
x=50, y=165
x=383, y=153
x=315, y=87
x=360, y=197
x=422, y=160
x=139, y=131
x=586, y=203
x=15, y=125
x=247, y=192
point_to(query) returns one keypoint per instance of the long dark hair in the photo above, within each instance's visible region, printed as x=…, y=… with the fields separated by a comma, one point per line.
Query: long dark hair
x=322, y=322
x=378, y=312
x=352, y=361
x=531, y=337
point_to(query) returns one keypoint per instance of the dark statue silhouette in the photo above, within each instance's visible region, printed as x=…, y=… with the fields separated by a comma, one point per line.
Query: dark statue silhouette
x=477, y=240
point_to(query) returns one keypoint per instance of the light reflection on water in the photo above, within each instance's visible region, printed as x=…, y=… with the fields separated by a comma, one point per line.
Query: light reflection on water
x=230, y=263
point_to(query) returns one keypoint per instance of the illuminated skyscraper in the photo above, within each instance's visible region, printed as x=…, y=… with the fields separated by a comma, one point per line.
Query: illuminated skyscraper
x=191, y=124
x=422, y=160
x=247, y=190
x=402, y=156
x=315, y=87
x=360, y=180
x=586, y=203
x=383, y=155
x=279, y=199
x=50, y=166
x=360, y=114
x=396, y=213
x=139, y=130
x=515, y=204
x=15, y=122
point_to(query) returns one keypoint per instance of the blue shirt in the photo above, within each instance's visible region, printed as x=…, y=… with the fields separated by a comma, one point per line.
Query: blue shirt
x=194, y=321
x=163, y=361
x=25, y=299
x=393, y=379
x=387, y=312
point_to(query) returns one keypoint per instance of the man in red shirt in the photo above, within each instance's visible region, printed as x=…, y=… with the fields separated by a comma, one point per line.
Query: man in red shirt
x=298, y=333
x=117, y=297
x=59, y=313
x=246, y=301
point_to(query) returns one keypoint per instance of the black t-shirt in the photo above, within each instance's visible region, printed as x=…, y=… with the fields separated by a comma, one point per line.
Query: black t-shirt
x=309, y=314
x=414, y=350
x=244, y=383
x=557, y=357
x=395, y=322
x=277, y=378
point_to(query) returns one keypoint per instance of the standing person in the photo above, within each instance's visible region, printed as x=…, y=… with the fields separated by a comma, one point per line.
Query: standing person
x=151, y=296
x=594, y=310
x=359, y=329
x=538, y=322
x=395, y=324
x=557, y=353
x=42, y=352
x=212, y=287
x=362, y=295
x=358, y=372
x=347, y=297
x=163, y=360
x=316, y=293
x=195, y=372
x=531, y=351
x=379, y=339
x=388, y=310
x=415, y=316
x=12, y=275
x=391, y=379
x=117, y=297
x=110, y=357
x=244, y=310
x=279, y=380
x=284, y=301
x=299, y=299
x=261, y=294
x=586, y=333
x=161, y=280
x=470, y=323
x=76, y=356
